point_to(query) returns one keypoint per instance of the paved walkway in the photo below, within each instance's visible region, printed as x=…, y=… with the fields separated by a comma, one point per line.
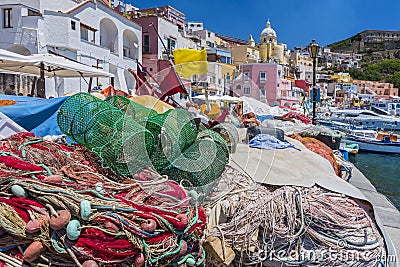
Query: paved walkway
x=388, y=214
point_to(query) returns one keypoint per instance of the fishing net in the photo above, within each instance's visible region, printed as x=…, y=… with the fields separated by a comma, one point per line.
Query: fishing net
x=129, y=137
x=136, y=111
x=229, y=133
x=201, y=164
x=59, y=209
x=175, y=131
x=121, y=142
x=264, y=225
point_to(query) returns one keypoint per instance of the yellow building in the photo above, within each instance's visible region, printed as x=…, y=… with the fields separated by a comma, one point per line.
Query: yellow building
x=341, y=77
x=243, y=54
x=270, y=50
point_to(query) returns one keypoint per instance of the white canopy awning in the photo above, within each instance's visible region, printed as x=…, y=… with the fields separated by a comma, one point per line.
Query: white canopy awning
x=225, y=98
x=53, y=65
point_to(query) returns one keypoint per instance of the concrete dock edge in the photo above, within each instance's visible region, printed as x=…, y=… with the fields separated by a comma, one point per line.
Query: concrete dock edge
x=387, y=215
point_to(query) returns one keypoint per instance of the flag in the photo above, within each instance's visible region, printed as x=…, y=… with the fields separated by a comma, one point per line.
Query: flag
x=142, y=86
x=171, y=84
x=189, y=62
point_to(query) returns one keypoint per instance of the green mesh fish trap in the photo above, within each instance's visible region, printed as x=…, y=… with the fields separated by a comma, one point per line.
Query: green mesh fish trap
x=174, y=131
x=201, y=164
x=136, y=111
x=229, y=133
x=121, y=142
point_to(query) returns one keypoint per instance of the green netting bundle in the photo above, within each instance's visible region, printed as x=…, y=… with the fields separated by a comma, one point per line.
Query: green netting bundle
x=175, y=131
x=229, y=133
x=136, y=111
x=121, y=142
x=129, y=137
x=201, y=164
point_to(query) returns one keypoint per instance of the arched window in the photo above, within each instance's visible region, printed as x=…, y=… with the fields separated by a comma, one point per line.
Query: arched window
x=130, y=45
x=109, y=35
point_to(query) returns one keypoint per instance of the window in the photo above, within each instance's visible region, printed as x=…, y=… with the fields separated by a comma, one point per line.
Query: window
x=84, y=33
x=246, y=75
x=33, y=13
x=146, y=44
x=195, y=77
x=262, y=91
x=263, y=76
x=7, y=18
x=87, y=33
x=171, y=44
x=279, y=73
x=246, y=90
x=73, y=25
x=238, y=87
x=209, y=34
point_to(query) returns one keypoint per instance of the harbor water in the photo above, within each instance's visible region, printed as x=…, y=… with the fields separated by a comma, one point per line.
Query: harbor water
x=383, y=170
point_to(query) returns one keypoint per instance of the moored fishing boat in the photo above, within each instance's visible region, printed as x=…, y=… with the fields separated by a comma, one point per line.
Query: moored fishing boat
x=374, y=141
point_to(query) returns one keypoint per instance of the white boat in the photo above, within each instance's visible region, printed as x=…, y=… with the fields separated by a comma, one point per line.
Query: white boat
x=374, y=141
x=391, y=107
x=366, y=119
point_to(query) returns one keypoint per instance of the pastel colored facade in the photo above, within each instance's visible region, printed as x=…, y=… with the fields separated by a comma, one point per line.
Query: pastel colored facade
x=153, y=48
x=169, y=13
x=265, y=82
x=243, y=54
x=192, y=26
x=381, y=90
x=89, y=32
x=302, y=65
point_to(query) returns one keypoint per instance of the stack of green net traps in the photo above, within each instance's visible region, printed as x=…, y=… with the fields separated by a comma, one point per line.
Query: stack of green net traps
x=129, y=137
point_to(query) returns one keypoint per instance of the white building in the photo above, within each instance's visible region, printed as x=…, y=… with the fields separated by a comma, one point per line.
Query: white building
x=89, y=32
x=194, y=26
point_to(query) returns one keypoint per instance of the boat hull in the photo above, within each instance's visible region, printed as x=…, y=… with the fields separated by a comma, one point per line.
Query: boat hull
x=375, y=146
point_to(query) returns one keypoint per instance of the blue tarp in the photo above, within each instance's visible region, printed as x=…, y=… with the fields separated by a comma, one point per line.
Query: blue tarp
x=36, y=115
x=262, y=118
x=266, y=141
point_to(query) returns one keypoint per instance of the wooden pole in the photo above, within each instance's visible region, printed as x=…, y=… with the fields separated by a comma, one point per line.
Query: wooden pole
x=41, y=89
x=90, y=84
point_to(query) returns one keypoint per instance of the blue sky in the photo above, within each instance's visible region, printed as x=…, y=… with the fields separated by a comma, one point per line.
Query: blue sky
x=296, y=22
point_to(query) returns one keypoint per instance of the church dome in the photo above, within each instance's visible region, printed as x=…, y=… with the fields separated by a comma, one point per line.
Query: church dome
x=268, y=31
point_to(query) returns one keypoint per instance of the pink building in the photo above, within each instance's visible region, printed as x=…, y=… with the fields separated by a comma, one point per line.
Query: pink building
x=382, y=90
x=265, y=82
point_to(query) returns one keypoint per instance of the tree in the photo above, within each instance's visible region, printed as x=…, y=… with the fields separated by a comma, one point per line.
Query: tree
x=395, y=79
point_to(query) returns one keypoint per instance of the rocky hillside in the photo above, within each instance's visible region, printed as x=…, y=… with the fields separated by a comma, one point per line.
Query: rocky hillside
x=372, y=44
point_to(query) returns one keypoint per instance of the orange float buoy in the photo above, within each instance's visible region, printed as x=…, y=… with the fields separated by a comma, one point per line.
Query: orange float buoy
x=182, y=218
x=149, y=226
x=53, y=179
x=58, y=223
x=90, y=263
x=139, y=260
x=33, y=251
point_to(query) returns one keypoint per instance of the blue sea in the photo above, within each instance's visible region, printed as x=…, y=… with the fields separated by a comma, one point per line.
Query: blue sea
x=383, y=170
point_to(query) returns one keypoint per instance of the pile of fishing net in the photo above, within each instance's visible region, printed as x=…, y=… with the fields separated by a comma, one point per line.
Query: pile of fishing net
x=262, y=225
x=60, y=207
x=298, y=116
x=129, y=137
x=321, y=149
